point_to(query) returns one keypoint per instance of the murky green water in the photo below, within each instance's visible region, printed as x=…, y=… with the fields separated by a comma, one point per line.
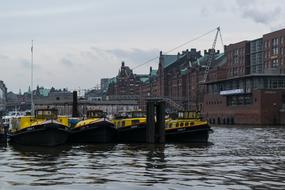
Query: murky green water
x=238, y=158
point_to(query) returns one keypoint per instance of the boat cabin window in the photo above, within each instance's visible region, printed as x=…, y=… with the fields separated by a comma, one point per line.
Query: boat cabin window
x=46, y=114
x=137, y=114
x=134, y=122
x=95, y=114
x=189, y=115
x=123, y=115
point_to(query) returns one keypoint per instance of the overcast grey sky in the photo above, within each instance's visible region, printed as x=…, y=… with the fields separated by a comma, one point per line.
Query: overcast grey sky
x=79, y=42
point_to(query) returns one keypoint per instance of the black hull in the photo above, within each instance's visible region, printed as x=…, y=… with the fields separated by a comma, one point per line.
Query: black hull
x=101, y=132
x=195, y=134
x=3, y=138
x=3, y=134
x=133, y=134
x=50, y=134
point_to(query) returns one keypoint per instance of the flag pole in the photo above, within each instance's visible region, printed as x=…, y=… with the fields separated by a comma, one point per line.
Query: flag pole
x=32, y=78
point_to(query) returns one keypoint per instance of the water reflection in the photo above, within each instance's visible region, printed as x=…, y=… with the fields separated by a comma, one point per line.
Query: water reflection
x=237, y=158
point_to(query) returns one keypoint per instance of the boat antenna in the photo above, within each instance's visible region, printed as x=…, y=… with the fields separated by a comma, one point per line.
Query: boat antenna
x=32, y=78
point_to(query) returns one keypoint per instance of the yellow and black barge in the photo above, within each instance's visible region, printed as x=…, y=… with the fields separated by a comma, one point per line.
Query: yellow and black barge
x=46, y=128
x=188, y=127
x=96, y=128
x=131, y=127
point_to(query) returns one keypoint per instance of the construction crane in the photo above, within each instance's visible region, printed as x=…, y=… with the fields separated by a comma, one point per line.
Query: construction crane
x=211, y=55
x=208, y=65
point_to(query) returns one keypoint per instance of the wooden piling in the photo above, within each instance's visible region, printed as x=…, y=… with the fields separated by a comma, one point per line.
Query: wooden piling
x=160, y=116
x=150, y=122
x=75, y=105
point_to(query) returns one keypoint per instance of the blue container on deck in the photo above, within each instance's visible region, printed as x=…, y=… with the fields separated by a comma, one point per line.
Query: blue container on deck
x=73, y=121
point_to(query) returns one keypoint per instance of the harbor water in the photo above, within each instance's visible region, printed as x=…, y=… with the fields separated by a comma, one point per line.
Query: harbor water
x=235, y=158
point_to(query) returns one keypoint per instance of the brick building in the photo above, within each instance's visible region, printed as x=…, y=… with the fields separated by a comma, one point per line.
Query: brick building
x=126, y=84
x=173, y=76
x=273, y=48
x=245, y=84
x=253, y=91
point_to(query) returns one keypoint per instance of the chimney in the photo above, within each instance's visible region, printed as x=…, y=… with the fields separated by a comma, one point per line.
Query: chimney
x=123, y=63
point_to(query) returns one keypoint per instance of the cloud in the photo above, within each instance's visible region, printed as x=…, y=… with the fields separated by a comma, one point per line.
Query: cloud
x=135, y=56
x=44, y=11
x=24, y=63
x=4, y=57
x=66, y=62
x=262, y=12
x=72, y=66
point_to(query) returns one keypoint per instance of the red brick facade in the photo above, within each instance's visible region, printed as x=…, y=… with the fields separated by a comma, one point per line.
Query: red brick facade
x=274, y=52
x=253, y=91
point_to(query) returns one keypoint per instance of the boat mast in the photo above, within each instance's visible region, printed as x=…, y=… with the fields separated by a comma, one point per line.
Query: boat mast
x=32, y=78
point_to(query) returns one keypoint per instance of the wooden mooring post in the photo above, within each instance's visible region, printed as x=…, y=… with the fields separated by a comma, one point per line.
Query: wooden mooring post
x=155, y=132
x=150, y=121
x=75, y=105
x=160, y=117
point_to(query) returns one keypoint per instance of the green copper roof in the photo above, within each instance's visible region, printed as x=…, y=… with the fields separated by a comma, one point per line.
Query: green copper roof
x=143, y=78
x=113, y=80
x=203, y=60
x=168, y=60
x=153, y=73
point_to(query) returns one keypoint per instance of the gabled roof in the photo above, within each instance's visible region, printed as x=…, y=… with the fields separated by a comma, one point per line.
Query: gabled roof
x=203, y=60
x=142, y=77
x=168, y=60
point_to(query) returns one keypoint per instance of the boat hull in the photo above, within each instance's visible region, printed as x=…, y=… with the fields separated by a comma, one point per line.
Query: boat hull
x=3, y=134
x=3, y=138
x=194, y=134
x=51, y=134
x=99, y=132
x=132, y=134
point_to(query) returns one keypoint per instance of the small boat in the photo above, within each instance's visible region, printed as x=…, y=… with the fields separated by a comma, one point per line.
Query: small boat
x=46, y=128
x=7, y=119
x=187, y=127
x=131, y=127
x=96, y=128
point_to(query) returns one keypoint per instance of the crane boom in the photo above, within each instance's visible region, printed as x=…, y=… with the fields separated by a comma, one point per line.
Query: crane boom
x=211, y=56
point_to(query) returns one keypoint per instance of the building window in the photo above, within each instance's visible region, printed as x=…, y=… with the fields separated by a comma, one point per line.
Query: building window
x=236, y=100
x=274, y=42
x=275, y=63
